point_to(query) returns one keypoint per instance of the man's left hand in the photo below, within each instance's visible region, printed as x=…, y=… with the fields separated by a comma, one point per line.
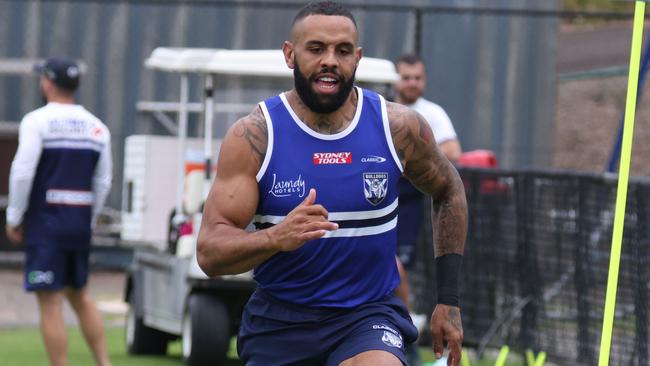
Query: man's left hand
x=14, y=233
x=446, y=326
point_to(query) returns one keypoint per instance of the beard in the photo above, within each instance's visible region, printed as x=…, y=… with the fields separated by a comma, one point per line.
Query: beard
x=321, y=103
x=409, y=98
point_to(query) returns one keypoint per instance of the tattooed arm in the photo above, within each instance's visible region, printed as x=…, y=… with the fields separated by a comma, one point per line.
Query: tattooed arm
x=224, y=247
x=430, y=171
x=232, y=201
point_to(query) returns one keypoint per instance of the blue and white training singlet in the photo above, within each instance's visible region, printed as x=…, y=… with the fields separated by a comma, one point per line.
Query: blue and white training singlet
x=355, y=174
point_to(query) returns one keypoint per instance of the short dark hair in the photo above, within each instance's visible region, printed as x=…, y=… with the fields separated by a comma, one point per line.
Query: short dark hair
x=409, y=58
x=323, y=8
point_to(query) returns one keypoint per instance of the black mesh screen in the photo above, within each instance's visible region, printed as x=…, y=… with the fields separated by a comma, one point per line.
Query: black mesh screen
x=536, y=265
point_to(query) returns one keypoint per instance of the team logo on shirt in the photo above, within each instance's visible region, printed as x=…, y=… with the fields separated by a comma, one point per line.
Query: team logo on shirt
x=375, y=187
x=97, y=131
x=332, y=158
x=288, y=187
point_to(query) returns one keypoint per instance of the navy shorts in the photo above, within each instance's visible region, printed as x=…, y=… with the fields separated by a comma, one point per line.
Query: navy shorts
x=49, y=268
x=277, y=333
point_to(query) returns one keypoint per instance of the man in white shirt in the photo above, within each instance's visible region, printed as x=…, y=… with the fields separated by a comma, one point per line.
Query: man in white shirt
x=409, y=91
x=58, y=183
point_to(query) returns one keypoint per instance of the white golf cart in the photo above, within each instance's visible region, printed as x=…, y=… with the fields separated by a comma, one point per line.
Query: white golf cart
x=166, y=180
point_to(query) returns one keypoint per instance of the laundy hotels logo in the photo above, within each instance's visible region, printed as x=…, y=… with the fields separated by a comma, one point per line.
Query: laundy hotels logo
x=288, y=187
x=332, y=158
x=375, y=187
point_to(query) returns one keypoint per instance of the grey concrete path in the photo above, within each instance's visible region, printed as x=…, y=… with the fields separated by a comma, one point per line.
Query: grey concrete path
x=19, y=309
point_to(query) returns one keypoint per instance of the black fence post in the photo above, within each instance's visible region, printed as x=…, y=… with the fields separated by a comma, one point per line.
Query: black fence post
x=473, y=244
x=527, y=260
x=642, y=298
x=582, y=278
x=418, y=31
x=482, y=242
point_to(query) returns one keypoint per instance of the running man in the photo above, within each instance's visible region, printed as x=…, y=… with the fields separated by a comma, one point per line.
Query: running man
x=324, y=253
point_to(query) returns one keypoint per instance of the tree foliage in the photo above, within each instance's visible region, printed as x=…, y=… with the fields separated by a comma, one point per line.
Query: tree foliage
x=598, y=5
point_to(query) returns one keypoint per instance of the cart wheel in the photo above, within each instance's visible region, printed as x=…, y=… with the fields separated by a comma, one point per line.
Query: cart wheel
x=206, y=331
x=140, y=339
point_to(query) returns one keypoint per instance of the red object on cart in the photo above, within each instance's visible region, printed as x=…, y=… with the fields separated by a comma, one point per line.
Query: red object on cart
x=478, y=159
x=483, y=159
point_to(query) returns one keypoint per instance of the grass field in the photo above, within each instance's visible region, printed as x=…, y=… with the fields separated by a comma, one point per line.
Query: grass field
x=23, y=346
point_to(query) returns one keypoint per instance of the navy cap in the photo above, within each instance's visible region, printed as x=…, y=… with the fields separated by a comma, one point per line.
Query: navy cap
x=63, y=73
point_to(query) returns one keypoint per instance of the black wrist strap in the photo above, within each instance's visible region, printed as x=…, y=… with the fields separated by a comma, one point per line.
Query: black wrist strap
x=448, y=278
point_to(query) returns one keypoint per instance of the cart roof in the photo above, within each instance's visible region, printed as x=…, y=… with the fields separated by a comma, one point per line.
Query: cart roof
x=269, y=63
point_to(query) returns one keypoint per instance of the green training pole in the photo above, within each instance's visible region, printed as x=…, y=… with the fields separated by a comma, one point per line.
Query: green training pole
x=503, y=356
x=623, y=178
x=464, y=359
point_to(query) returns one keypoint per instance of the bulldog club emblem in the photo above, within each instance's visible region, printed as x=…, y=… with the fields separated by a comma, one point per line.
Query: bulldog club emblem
x=375, y=187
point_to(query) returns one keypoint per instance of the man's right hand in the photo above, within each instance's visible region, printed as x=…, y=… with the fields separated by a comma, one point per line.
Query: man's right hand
x=446, y=326
x=14, y=233
x=308, y=221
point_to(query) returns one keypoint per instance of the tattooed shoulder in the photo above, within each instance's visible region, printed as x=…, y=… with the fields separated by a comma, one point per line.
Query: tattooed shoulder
x=398, y=115
x=410, y=131
x=254, y=130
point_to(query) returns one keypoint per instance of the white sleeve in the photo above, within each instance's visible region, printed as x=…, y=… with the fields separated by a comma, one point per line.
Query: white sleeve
x=102, y=178
x=23, y=169
x=443, y=130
